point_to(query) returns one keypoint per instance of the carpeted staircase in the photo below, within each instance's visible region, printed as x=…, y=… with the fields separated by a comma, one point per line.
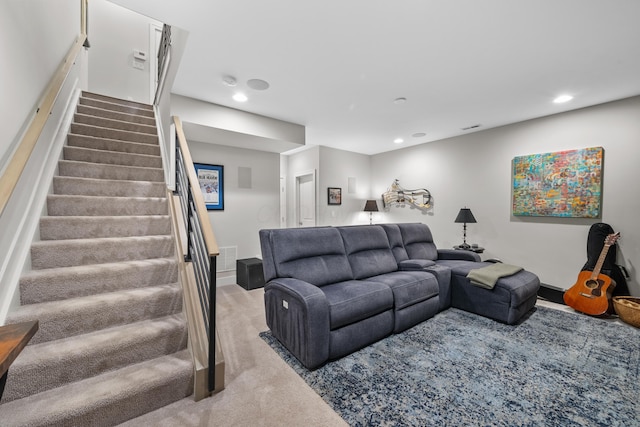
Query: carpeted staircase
x=112, y=338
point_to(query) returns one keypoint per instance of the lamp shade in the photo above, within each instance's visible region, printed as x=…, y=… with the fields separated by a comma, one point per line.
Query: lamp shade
x=465, y=216
x=371, y=206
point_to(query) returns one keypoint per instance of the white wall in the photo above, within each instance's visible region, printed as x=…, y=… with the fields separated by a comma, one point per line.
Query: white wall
x=337, y=166
x=35, y=36
x=475, y=171
x=246, y=210
x=114, y=32
x=300, y=163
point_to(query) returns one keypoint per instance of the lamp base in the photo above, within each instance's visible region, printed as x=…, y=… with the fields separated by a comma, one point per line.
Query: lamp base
x=464, y=246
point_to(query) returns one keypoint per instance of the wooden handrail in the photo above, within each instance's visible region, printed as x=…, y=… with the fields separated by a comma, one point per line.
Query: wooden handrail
x=207, y=232
x=18, y=161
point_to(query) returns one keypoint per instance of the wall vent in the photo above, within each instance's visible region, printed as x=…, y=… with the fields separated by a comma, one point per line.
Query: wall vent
x=472, y=127
x=226, y=261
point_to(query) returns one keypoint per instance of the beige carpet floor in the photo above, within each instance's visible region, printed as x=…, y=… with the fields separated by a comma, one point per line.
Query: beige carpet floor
x=260, y=388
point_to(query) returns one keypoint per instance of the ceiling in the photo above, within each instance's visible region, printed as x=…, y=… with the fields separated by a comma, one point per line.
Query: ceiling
x=336, y=67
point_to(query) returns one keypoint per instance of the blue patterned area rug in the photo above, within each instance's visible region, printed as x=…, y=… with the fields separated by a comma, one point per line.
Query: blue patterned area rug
x=459, y=369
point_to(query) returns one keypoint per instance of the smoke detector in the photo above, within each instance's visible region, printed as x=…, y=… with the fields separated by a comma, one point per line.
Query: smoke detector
x=229, y=81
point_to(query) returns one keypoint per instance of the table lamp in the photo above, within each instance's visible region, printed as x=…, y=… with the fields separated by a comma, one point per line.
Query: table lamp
x=371, y=206
x=465, y=216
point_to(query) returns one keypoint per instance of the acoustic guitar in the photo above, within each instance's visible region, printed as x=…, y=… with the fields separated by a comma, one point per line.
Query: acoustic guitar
x=592, y=292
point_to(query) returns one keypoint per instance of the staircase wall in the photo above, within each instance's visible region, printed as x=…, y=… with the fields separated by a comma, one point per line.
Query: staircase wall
x=27, y=204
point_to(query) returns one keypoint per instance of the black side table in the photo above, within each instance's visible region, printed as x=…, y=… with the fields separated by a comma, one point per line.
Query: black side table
x=249, y=273
x=477, y=249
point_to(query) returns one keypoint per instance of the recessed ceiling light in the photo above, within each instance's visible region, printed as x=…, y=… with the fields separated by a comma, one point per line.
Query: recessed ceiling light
x=400, y=100
x=419, y=134
x=563, y=98
x=240, y=97
x=398, y=140
x=258, y=84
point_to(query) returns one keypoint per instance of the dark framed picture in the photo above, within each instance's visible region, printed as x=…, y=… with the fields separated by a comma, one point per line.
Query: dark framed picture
x=211, y=180
x=334, y=195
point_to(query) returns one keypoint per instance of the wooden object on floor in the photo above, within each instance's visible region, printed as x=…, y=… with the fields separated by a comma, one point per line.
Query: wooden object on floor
x=13, y=338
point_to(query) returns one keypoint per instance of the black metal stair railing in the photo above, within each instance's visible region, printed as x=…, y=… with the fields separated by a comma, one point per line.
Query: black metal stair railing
x=201, y=248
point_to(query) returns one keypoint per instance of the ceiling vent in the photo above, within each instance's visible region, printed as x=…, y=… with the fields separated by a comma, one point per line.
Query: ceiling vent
x=472, y=127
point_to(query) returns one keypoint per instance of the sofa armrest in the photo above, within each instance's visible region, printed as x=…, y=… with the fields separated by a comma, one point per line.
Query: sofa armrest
x=458, y=254
x=297, y=313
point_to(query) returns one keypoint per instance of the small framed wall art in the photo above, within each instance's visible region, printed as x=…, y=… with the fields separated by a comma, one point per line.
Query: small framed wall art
x=211, y=180
x=334, y=196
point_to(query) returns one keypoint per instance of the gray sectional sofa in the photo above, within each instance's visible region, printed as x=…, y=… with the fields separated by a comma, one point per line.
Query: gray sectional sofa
x=332, y=290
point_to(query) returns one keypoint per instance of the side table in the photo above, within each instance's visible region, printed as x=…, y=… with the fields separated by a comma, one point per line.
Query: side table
x=476, y=249
x=13, y=338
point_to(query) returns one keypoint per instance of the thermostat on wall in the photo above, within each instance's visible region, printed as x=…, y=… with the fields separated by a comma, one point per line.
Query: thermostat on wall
x=140, y=55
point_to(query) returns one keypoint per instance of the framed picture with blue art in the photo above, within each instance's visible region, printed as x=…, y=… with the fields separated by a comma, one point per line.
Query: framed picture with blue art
x=211, y=180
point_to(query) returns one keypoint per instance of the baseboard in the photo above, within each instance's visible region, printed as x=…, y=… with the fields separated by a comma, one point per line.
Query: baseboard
x=551, y=293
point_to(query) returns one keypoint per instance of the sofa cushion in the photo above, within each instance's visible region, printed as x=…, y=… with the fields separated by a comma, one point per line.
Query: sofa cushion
x=395, y=241
x=368, y=250
x=409, y=287
x=315, y=255
x=418, y=241
x=355, y=300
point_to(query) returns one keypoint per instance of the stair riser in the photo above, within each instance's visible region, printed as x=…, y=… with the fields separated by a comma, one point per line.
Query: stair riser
x=71, y=318
x=112, y=145
x=58, y=284
x=47, y=366
x=96, y=171
x=112, y=157
x=67, y=253
x=107, y=399
x=121, y=135
x=115, y=115
x=66, y=227
x=116, y=107
x=87, y=205
x=114, y=124
x=117, y=101
x=91, y=187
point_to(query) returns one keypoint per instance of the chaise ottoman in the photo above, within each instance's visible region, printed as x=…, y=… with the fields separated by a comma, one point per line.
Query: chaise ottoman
x=511, y=298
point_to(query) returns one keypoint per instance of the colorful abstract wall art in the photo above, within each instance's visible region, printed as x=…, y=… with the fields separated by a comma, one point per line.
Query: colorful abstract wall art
x=561, y=184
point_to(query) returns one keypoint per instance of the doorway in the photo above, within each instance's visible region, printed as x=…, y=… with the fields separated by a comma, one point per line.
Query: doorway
x=306, y=199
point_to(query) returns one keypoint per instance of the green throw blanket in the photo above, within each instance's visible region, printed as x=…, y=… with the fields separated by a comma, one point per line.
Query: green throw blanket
x=486, y=277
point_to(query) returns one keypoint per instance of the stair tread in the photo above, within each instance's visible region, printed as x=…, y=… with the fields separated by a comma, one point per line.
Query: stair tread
x=121, y=108
x=113, y=181
x=116, y=101
x=67, y=227
x=119, y=134
x=44, y=310
x=97, y=140
x=66, y=253
x=95, y=340
x=80, y=242
x=78, y=270
x=84, y=399
x=90, y=110
x=110, y=123
x=54, y=363
x=78, y=197
x=103, y=151
x=77, y=316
